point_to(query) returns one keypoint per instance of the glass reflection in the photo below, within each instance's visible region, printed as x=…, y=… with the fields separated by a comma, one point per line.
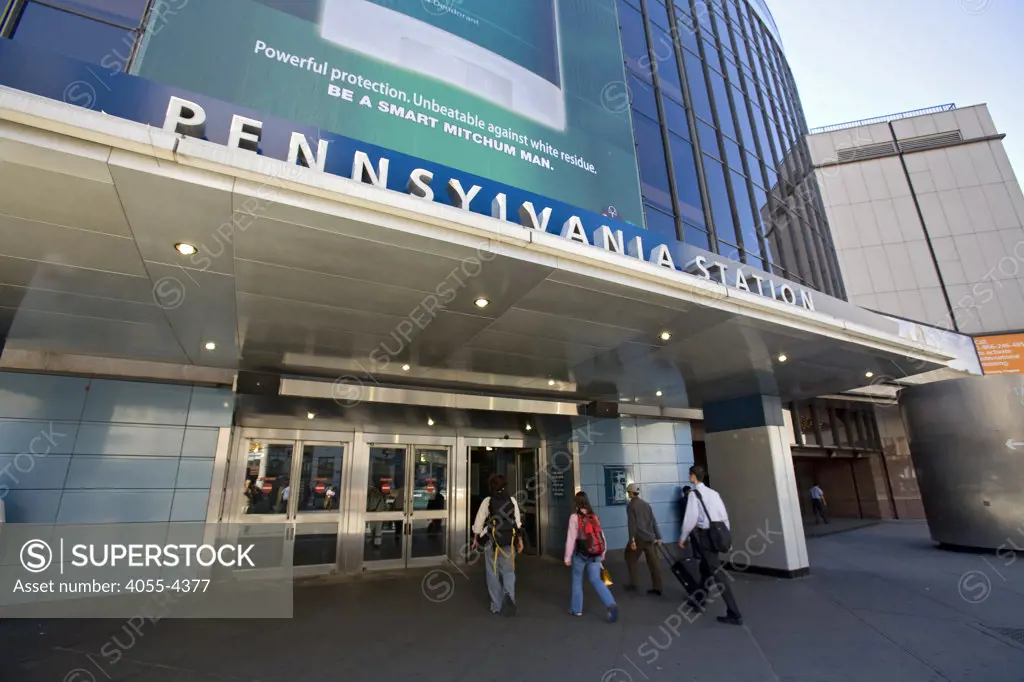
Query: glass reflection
x=320, y=478
x=267, y=487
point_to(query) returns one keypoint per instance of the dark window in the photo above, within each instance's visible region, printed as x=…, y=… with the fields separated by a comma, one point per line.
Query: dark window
x=730, y=251
x=660, y=223
x=704, y=16
x=128, y=13
x=732, y=72
x=659, y=14
x=721, y=91
x=718, y=195
x=651, y=155
x=687, y=32
x=642, y=97
x=668, y=69
x=733, y=155
x=748, y=222
x=755, y=168
x=696, y=236
x=698, y=86
x=686, y=181
x=746, y=132
x=634, y=40
x=762, y=133
x=74, y=36
x=708, y=140
x=675, y=117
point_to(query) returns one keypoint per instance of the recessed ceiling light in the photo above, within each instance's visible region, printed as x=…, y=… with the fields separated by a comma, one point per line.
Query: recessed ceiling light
x=310, y=415
x=406, y=368
x=624, y=400
x=783, y=357
x=551, y=382
x=658, y=393
x=481, y=302
x=869, y=374
x=185, y=249
x=210, y=345
x=529, y=428
x=489, y=448
x=430, y=422
x=665, y=336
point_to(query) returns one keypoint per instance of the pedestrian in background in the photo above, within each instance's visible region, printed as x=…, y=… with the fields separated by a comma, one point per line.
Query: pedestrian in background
x=818, y=504
x=644, y=537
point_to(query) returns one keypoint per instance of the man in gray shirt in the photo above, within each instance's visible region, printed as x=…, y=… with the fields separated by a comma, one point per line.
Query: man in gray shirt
x=643, y=537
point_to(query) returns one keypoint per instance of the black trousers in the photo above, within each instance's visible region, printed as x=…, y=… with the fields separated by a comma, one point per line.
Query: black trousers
x=818, y=507
x=714, y=580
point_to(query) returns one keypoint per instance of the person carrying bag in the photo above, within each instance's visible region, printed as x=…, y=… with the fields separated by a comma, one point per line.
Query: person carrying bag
x=706, y=525
x=585, y=550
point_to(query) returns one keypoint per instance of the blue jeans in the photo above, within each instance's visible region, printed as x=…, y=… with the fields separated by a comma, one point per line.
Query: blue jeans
x=593, y=569
x=501, y=577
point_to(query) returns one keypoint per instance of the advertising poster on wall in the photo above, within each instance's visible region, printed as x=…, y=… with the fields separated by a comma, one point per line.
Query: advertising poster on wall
x=616, y=478
x=1002, y=354
x=502, y=90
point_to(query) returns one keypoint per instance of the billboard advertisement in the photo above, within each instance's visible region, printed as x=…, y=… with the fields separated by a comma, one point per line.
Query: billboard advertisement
x=509, y=91
x=1003, y=354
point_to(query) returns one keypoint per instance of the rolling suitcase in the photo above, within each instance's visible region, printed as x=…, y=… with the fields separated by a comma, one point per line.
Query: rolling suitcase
x=682, y=571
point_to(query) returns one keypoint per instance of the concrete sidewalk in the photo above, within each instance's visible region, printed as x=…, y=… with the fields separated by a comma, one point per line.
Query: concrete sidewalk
x=881, y=604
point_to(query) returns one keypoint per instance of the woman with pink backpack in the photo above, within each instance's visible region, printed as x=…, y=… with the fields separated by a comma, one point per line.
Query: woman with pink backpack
x=585, y=549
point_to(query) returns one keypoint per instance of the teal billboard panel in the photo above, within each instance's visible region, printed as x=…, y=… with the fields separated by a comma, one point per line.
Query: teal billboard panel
x=510, y=91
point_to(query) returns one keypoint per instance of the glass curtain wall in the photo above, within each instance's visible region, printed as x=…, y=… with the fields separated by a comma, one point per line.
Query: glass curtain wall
x=720, y=135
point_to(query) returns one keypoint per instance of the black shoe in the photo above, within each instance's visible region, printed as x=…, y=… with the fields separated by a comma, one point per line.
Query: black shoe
x=730, y=620
x=695, y=605
x=629, y=588
x=654, y=592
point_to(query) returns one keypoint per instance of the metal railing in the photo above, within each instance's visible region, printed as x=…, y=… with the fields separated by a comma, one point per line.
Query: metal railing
x=883, y=119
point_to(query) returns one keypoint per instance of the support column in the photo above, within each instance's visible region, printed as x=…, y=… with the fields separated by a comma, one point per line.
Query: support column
x=750, y=464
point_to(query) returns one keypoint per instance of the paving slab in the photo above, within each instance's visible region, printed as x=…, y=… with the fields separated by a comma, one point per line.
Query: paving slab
x=882, y=603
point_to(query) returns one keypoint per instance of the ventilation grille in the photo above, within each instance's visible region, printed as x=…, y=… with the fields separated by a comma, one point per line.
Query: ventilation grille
x=868, y=151
x=917, y=144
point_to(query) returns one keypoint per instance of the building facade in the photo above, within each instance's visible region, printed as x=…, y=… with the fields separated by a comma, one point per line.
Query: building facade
x=320, y=288
x=928, y=220
x=720, y=137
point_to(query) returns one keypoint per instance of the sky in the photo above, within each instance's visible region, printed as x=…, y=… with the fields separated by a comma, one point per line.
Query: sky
x=856, y=59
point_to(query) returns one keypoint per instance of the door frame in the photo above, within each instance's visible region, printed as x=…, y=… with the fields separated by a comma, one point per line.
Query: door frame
x=292, y=519
x=357, y=528
x=539, y=446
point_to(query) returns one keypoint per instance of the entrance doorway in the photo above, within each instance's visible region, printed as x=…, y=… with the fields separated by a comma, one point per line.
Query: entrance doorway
x=287, y=500
x=519, y=467
x=407, y=506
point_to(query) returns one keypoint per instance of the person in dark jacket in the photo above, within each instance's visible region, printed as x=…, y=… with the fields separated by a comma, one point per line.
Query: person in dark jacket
x=644, y=536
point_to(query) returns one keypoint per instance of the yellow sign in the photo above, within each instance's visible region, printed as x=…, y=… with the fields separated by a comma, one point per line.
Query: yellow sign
x=1001, y=354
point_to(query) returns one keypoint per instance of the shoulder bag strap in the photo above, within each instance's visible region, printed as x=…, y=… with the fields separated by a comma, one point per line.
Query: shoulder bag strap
x=701, y=499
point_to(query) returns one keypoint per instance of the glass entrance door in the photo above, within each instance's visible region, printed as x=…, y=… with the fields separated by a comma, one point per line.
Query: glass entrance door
x=289, y=503
x=407, y=506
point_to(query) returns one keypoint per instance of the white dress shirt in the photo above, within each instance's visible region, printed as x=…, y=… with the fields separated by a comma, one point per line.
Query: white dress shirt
x=485, y=511
x=695, y=516
x=816, y=493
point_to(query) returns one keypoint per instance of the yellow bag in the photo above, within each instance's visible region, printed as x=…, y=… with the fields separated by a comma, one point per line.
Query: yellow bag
x=606, y=577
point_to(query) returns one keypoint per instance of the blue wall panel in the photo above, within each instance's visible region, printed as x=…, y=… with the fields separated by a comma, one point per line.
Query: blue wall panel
x=660, y=454
x=76, y=450
x=134, y=402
